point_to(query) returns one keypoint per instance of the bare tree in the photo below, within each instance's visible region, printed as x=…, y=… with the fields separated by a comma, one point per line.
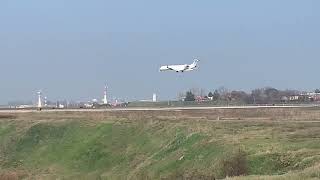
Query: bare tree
x=258, y=96
x=195, y=91
x=181, y=96
x=240, y=96
x=272, y=95
x=216, y=95
x=203, y=92
x=224, y=93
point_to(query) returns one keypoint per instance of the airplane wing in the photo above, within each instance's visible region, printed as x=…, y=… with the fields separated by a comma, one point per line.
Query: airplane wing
x=166, y=68
x=170, y=68
x=186, y=67
x=177, y=68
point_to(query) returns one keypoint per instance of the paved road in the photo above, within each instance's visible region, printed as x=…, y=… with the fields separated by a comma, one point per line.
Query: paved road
x=151, y=109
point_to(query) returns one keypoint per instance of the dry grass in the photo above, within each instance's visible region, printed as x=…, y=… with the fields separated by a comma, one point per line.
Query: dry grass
x=13, y=175
x=8, y=116
x=308, y=173
x=279, y=133
x=259, y=114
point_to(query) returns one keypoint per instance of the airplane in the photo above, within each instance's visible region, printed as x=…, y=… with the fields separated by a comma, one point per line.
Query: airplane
x=180, y=68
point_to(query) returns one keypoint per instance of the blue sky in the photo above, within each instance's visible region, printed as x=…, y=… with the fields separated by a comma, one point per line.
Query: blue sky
x=70, y=49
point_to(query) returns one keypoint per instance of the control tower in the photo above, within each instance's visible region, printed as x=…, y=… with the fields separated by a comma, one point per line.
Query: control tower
x=105, y=100
x=39, y=105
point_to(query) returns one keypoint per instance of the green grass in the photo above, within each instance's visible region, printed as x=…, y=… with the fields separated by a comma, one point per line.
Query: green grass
x=5, y=130
x=81, y=148
x=114, y=148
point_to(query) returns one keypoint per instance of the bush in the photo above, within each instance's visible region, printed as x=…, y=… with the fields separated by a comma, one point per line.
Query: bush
x=190, y=175
x=235, y=164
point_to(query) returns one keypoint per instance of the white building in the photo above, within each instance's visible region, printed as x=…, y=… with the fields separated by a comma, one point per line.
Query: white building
x=154, y=97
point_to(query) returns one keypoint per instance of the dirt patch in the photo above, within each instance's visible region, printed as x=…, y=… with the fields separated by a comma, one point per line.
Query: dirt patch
x=7, y=116
x=13, y=175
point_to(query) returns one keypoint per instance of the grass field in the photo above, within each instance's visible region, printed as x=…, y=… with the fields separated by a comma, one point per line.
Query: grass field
x=266, y=143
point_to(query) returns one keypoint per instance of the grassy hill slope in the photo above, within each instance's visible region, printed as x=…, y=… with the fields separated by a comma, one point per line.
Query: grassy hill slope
x=101, y=146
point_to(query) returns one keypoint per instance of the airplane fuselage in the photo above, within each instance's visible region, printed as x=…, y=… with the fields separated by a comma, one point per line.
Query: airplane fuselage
x=180, y=68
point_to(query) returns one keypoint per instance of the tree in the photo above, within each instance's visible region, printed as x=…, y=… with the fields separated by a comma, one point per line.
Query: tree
x=202, y=92
x=258, y=96
x=240, y=96
x=195, y=91
x=189, y=96
x=210, y=94
x=289, y=92
x=268, y=95
x=272, y=94
x=317, y=91
x=216, y=95
x=224, y=93
x=181, y=96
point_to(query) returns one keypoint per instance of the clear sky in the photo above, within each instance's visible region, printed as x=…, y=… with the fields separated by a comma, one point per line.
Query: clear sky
x=71, y=48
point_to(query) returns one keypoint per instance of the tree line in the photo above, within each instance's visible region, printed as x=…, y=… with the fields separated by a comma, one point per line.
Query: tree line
x=267, y=95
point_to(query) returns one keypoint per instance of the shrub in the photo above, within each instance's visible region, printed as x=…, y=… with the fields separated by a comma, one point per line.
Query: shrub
x=234, y=164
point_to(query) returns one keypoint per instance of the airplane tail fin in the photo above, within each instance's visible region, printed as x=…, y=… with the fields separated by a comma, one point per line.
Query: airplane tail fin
x=195, y=62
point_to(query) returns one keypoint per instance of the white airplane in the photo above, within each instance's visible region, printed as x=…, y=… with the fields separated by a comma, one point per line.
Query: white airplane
x=180, y=68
